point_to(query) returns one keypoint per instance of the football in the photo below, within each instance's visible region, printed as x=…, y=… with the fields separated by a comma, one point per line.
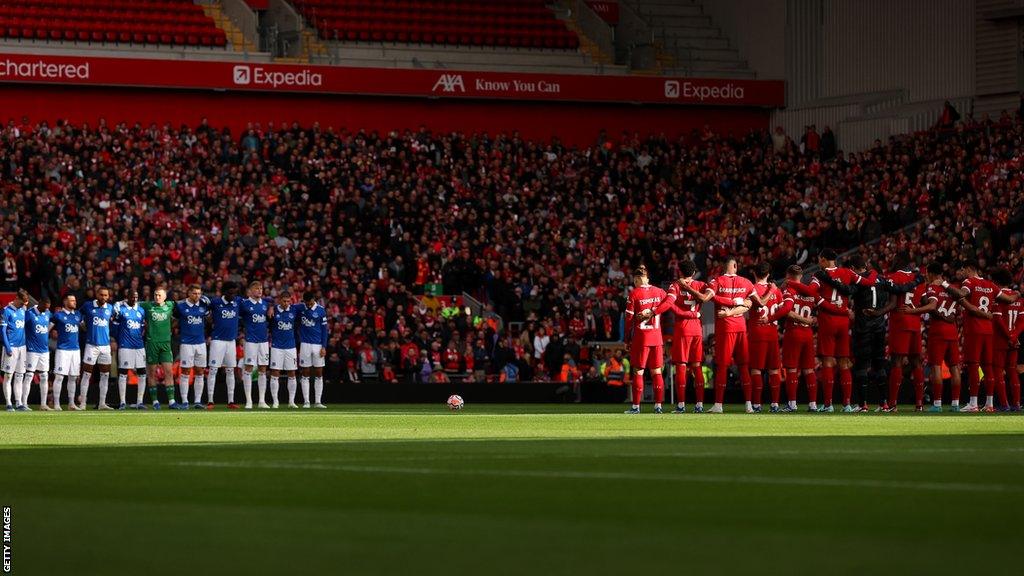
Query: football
x=455, y=402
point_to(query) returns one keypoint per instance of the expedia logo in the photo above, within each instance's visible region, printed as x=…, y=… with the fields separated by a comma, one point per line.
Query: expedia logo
x=244, y=75
x=449, y=83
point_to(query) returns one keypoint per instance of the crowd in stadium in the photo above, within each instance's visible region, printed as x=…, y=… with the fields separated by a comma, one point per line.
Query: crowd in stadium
x=545, y=236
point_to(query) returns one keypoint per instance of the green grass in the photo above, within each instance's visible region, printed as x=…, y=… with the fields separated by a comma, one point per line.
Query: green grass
x=511, y=489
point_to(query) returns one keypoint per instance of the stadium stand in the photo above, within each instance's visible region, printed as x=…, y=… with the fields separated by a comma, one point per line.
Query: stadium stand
x=147, y=22
x=544, y=235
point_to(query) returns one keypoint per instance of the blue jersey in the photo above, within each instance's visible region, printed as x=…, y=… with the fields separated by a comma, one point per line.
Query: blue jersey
x=129, y=322
x=37, y=330
x=67, y=329
x=225, y=318
x=282, y=326
x=13, y=326
x=192, y=321
x=254, y=319
x=313, y=325
x=97, y=323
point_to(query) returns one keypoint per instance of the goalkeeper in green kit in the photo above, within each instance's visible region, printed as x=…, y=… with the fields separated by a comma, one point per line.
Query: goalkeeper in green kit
x=158, y=345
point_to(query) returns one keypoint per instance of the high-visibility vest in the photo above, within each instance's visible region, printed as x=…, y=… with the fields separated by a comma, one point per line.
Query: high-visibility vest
x=615, y=372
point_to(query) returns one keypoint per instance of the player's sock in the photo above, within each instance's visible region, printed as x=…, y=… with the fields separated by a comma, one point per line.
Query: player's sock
x=318, y=388
x=152, y=391
x=211, y=388
x=183, y=387
x=104, y=385
x=973, y=381
x=828, y=375
x=846, y=385
x=8, y=391
x=18, y=382
x=229, y=380
x=291, y=389
x=122, y=385
x=1014, y=385
x=990, y=400
x=937, y=392
x=659, y=388
x=304, y=383
x=721, y=373
x=698, y=385
x=261, y=386
x=275, y=386
x=83, y=388
x=26, y=388
x=73, y=389
x=1001, y=387
x=792, y=383
x=811, y=380
x=895, y=379
x=775, y=386
x=918, y=377
x=954, y=392
x=990, y=381
x=757, y=381
x=197, y=388
x=638, y=389
x=680, y=382
x=140, y=389
x=745, y=382
x=169, y=389
x=58, y=387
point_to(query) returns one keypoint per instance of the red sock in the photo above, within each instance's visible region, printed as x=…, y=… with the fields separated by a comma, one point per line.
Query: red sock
x=1015, y=386
x=895, y=379
x=846, y=385
x=775, y=384
x=721, y=373
x=638, y=389
x=812, y=386
x=918, y=377
x=990, y=381
x=659, y=387
x=828, y=376
x=758, y=387
x=745, y=382
x=954, y=391
x=973, y=379
x=681, y=383
x=937, y=389
x=792, y=383
x=698, y=384
x=1001, y=386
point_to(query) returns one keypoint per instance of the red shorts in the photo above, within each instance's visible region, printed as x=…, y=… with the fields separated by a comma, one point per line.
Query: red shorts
x=641, y=357
x=905, y=342
x=833, y=336
x=764, y=354
x=798, y=350
x=943, y=350
x=731, y=347
x=687, y=350
x=977, y=348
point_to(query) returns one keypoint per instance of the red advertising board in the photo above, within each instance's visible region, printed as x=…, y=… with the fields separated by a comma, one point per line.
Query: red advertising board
x=441, y=84
x=608, y=10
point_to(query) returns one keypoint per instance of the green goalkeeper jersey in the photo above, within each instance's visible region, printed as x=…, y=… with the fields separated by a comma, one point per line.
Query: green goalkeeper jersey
x=158, y=321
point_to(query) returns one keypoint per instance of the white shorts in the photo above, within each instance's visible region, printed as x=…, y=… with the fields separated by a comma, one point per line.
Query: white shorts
x=38, y=362
x=14, y=363
x=131, y=358
x=67, y=362
x=96, y=355
x=257, y=354
x=192, y=355
x=223, y=354
x=282, y=359
x=309, y=356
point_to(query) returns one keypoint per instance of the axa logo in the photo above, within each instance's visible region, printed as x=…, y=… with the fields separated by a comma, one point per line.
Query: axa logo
x=449, y=83
x=242, y=75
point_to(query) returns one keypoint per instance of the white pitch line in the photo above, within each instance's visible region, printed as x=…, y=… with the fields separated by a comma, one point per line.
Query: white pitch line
x=578, y=475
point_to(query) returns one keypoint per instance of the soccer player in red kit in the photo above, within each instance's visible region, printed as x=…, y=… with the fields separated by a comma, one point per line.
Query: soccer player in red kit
x=688, y=336
x=977, y=297
x=834, y=315
x=645, y=348
x=798, y=306
x=1006, y=319
x=731, y=297
x=763, y=337
x=905, y=344
x=943, y=337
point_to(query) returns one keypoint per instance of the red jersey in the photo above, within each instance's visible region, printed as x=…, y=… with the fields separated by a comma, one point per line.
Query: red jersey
x=730, y=290
x=982, y=294
x=646, y=332
x=942, y=321
x=1009, y=319
x=763, y=322
x=687, y=309
x=830, y=301
x=898, y=320
x=799, y=302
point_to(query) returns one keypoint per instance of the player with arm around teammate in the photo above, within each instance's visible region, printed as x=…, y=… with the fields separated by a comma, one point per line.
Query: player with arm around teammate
x=255, y=312
x=313, y=335
x=646, y=344
x=157, y=320
x=67, y=360
x=225, y=310
x=688, y=335
x=129, y=321
x=192, y=313
x=12, y=329
x=282, y=344
x=96, y=315
x=37, y=343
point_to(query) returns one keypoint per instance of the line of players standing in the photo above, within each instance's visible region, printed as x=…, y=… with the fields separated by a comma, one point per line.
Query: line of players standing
x=280, y=335
x=882, y=317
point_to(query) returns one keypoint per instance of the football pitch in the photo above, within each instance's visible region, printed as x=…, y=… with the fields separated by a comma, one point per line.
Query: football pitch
x=511, y=489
